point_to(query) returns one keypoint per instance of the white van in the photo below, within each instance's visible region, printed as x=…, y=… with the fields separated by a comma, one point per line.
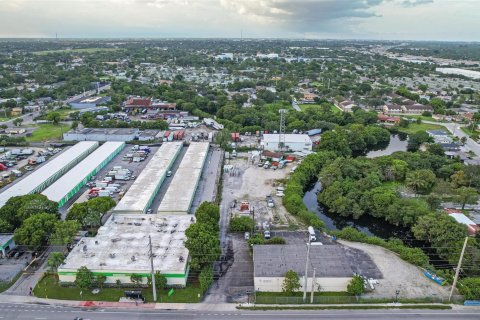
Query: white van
x=312, y=235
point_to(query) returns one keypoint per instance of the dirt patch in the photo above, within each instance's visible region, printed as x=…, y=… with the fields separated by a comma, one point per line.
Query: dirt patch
x=398, y=275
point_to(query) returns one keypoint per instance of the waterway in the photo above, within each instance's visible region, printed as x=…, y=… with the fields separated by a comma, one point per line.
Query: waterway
x=398, y=142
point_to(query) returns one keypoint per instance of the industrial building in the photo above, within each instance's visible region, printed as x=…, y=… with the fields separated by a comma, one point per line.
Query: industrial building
x=292, y=142
x=333, y=270
x=88, y=102
x=142, y=192
x=7, y=243
x=121, y=248
x=69, y=184
x=180, y=193
x=99, y=134
x=49, y=172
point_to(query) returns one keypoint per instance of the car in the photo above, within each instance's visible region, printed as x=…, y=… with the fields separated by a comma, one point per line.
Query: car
x=29, y=168
x=266, y=234
x=149, y=211
x=280, y=194
x=10, y=164
x=169, y=173
x=270, y=203
x=247, y=235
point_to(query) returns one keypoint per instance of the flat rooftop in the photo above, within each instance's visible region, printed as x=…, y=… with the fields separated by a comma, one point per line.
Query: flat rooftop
x=146, y=186
x=329, y=261
x=58, y=190
x=274, y=138
x=179, y=195
x=121, y=245
x=31, y=182
x=110, y=131
x=5, y=237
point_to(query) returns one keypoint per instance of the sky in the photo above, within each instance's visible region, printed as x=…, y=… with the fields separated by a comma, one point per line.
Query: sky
x=450, y=20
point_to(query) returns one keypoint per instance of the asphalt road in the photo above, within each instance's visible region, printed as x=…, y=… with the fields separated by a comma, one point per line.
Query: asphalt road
x=47, y=312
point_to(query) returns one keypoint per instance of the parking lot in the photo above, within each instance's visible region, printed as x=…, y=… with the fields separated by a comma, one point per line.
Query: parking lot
x=134, y=167
x=10, y=267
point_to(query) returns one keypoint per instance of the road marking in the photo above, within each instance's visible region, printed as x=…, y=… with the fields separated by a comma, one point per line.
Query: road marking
x=41, y=318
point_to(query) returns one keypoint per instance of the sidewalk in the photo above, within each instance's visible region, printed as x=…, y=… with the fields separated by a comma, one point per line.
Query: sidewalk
x=16, y=299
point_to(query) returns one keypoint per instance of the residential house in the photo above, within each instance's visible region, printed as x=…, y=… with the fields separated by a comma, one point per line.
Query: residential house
x=440, y=136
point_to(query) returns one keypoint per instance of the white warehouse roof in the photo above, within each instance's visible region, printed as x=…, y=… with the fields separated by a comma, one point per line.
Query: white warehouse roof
x=463, y=219
x=77, y=175
x=121, y=246
x=289, y=138
x=143, y=190
x=32, y=182
x=180, y=193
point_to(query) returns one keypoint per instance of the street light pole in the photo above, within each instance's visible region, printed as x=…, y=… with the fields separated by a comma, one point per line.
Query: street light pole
x=457, y=272
x=152, y=271
x=313, y=286
x=306, y=272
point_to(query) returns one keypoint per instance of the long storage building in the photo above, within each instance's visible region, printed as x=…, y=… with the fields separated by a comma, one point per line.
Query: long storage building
x=179, y=196
x=143, y=191
x=69, y=184
x=120, y=249
x=49, y=172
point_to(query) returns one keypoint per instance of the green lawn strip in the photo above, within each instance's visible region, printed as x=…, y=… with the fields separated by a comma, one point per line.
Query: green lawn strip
x=48, y=131
x=415, y=306
x=49, y=288
x=4, y=285
x=414, y=127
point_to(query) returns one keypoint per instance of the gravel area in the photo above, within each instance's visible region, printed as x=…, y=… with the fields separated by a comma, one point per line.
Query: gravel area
x=398, y=275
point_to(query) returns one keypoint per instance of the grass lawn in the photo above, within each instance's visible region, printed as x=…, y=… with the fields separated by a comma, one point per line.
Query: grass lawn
x=47, y=131
x=49, y=288
x=334, y=109
x=469, y=132
x=84, y=50
x=414, y=127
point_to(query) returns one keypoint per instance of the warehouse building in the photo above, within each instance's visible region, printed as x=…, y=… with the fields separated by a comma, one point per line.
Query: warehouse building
x=143, y=191
x=69, y=184
x=293, y=142
x=121, y=248
x=89, y=102
x=333, y=270
x=180, y=193
x=49, y=172
x=99, y=134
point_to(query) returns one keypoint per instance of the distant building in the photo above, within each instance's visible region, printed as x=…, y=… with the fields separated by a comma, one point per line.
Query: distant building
x=415, y=108
x=136, y=104
x=224, y=56
x=100, y=134
x=7, y=243
x=440, y=136
x=293, y=142
x=346, y=105
x=89, y=102
x=472, y=227
x=388, y=119
x=16, y=111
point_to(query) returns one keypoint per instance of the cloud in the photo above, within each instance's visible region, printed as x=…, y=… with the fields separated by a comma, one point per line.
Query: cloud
x=414, y=3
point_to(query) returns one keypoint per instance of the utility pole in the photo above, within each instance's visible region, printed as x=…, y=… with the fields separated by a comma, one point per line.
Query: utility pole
x=153, y=272
x=457, y=272
x=306, y=272
x=313, y=286
x=253, y=217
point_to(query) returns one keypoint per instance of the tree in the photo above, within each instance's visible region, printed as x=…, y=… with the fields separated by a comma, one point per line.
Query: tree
x=356, y=286
x=89, y=214
x=223, y=138
x=470, y=288
x=417, y=139
x=136, y=278
x=203, y=244
x=100, y=280
x=54, y=116
x=466, y=195
x=463, y=140
x=206, y=278
x=208, y=213
x=241, y=224
x=460, y=179
x=55, y=260
x=35, y=230
x=160, y=281
x=433, y=202
x=74, y=125
x=17, y=121
x=436, y=149
x=291, y=283
x=420, y=181
x=84, y=279
x=64, y=232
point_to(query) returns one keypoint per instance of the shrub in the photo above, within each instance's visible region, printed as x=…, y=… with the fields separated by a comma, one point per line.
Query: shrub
x=275, y=240
x=241, y=224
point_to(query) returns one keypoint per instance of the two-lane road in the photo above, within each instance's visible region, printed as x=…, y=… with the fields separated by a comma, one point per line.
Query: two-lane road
x=47, y=312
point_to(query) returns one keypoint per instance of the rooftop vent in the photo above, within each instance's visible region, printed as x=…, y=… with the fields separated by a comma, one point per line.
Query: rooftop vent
x=181, y=259
x=112, y=255
x=133, y=258
x=84, y=249
x=96, y=242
